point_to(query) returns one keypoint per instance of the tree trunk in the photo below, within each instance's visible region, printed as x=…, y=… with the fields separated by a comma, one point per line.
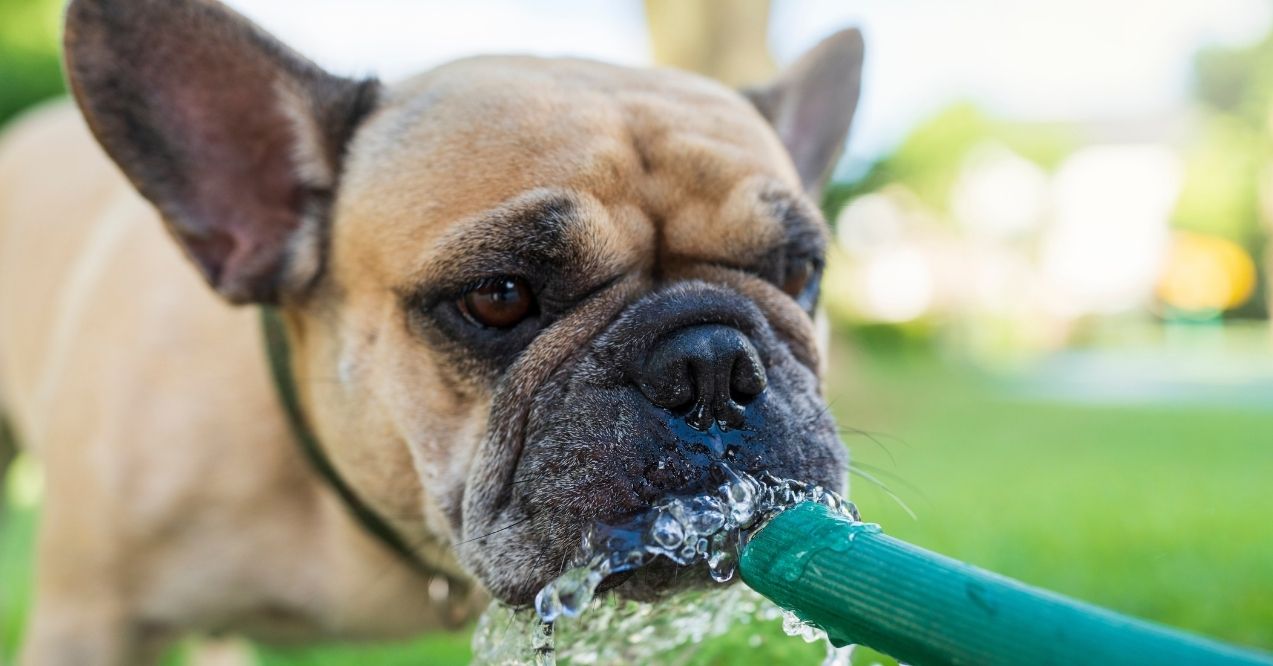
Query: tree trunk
x=723, y=39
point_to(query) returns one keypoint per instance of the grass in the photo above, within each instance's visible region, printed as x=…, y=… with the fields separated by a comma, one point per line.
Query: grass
x=1158, y=511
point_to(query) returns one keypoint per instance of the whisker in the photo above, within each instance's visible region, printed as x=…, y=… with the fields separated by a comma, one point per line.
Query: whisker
x=506, y=527
x=844, y=429
x=879, y=471
x=866, y=476
x=857, y=432
x=825, y=408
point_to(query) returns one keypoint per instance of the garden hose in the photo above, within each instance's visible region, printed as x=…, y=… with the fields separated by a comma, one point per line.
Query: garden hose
x=864, y=587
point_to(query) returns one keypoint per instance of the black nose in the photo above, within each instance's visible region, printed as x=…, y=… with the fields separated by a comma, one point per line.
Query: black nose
x=710, y=370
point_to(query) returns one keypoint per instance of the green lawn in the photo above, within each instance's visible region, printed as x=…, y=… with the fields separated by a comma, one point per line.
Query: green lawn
x=1164, y=512
x=1161, y=511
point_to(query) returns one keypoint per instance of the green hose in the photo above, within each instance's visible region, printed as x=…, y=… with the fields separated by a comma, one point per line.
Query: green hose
x=924, y=609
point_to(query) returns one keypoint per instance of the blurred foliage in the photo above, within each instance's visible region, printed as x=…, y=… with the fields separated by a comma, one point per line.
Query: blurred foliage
x=30, y=69
x=1231, y=156
x=930, y=158
x=1227, y=189
x=1237, y=81
x=1219, y=193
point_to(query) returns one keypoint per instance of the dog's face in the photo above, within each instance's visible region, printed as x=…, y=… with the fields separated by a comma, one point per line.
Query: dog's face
x=525, y=295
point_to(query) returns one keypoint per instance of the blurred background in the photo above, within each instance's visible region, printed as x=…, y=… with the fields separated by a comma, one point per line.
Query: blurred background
x=1049, y=289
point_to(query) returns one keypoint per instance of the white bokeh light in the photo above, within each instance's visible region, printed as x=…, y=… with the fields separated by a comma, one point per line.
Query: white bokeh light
x=999, y=193
x=897, y=285
x=1105, y=248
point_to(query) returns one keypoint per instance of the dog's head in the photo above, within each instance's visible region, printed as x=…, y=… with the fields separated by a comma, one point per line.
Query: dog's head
x=524, y=295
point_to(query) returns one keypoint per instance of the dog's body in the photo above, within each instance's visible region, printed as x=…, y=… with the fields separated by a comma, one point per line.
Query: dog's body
x=176, y=496
x=639, y=205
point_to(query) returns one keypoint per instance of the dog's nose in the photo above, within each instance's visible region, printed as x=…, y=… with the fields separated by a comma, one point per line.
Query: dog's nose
x=713, y=371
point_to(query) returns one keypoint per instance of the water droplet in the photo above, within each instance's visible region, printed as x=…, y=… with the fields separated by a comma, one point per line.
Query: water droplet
x=794, y=626
x=705, y=515
x=626, y=560
x=666, y=531
x=547, y=603
x=574, y=589
x=740, y=497
x=840, y=545
x=721, y=566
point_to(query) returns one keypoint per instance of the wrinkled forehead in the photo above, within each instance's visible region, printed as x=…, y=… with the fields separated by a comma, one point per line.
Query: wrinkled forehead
x=640, y=156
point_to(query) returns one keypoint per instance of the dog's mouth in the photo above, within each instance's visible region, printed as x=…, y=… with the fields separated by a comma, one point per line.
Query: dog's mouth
x=681, y=542
x=653, y=581
x=630, y=500
x=645, y=504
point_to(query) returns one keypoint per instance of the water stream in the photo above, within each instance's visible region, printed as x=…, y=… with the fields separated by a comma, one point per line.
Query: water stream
x=706, y=530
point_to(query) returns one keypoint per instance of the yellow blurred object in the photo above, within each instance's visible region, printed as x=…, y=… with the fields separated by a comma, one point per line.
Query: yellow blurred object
x=1206, y=273
x=724, y=39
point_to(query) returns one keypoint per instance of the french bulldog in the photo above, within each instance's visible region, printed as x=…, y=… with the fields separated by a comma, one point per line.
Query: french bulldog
x=516, y=297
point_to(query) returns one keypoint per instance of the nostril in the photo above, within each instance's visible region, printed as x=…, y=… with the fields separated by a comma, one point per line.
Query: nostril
x=748, y=378
x=668, y=385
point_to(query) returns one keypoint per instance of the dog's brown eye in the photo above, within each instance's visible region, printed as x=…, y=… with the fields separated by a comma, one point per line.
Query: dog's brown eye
x=498, y=303
x=797, y=279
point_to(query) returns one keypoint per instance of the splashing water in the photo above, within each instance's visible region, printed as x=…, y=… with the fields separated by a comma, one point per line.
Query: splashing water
x=616, y=631
x=841, y=655
x=707, y=529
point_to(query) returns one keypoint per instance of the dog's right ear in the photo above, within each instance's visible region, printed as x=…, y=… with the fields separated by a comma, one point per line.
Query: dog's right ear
x=234, y=137
x=811, y=105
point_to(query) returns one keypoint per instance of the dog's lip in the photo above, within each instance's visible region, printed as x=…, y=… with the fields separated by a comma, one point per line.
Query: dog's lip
x=655, y=580
x=615, y=580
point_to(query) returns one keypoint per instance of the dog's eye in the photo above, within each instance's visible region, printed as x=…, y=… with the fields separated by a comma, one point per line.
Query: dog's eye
x=498, y=303
x=799, y=275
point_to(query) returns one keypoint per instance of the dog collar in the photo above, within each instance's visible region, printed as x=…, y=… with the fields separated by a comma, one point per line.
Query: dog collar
x=280, y=359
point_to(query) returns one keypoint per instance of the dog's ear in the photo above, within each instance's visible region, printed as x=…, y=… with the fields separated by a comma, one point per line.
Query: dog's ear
x=811, y=104
x=233, y=136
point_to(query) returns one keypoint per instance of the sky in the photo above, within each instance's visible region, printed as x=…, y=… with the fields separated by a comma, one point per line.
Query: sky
x=1047, y=60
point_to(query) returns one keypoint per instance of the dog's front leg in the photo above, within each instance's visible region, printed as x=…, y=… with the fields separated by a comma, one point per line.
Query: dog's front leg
x=88, y=575
x=70, y=631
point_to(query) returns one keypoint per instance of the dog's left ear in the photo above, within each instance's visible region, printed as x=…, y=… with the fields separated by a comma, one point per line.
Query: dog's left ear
x=811, y=105
x=233, y=136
